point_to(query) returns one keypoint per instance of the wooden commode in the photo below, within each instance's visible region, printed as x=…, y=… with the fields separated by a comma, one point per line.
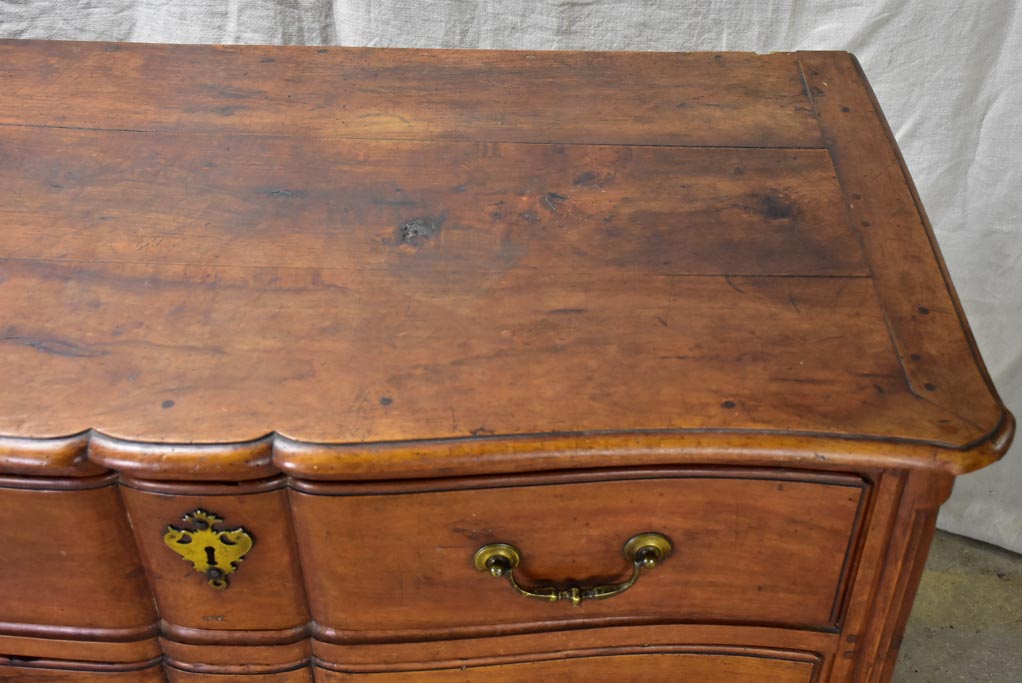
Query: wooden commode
x=374, y=365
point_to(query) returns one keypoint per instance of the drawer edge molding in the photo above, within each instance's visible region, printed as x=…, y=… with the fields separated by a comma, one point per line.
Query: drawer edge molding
x=270, y=657
x=349, y=638
x=30, y=483
x=198, y=636
x=205, y=488
x=408, y=655
x=76, y=665
x=80, y=650
x=552, y=478
x=106, y=635
x=806, y=657
x=236, y=669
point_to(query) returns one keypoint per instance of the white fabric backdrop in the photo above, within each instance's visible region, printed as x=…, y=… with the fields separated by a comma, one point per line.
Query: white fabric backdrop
x=948, y=74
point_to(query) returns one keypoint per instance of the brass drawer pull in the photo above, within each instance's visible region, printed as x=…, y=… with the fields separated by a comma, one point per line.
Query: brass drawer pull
x=645, y=550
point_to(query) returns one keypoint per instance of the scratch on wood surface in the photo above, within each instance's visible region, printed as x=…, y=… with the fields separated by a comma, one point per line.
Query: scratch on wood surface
x=552, y=200
x=53, y=346
x=282, y=192
x=381, y=115
x=732, y=285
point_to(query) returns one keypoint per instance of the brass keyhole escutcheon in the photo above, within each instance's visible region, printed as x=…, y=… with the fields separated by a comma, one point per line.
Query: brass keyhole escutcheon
x=643, y=551
x=213, y=552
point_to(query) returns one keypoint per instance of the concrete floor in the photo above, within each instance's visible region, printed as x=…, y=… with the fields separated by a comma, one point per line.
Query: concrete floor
x=966, y=624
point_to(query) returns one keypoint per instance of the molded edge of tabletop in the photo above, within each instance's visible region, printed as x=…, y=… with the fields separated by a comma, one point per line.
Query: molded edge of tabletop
x=91, y=454
x=961, y=383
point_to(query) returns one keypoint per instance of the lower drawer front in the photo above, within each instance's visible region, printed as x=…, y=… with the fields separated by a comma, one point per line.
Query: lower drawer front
x=704, y=668
x=44, y=674
x=303, y=675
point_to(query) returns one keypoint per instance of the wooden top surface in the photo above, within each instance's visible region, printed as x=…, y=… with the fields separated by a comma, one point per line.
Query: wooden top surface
x=343, y=246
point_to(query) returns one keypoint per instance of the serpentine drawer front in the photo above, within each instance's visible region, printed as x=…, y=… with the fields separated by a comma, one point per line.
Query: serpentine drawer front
x=745, y=667
x=754, y=547
x=345, y=364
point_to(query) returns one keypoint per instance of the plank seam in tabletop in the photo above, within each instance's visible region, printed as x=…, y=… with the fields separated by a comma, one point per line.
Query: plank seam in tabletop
x=377, y=138
x=246, y=266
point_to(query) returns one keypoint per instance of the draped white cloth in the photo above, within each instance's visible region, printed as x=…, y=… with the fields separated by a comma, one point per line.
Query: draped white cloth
x=947, y=73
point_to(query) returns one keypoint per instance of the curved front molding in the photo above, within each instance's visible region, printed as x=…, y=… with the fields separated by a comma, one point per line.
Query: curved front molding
x=91, y=453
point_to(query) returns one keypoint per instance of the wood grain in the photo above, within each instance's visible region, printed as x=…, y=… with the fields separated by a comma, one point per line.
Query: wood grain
x=50, y=458
x=265, y=596
x=744, y=547
x=512, y=649
x=76, y=543
x=73, y=644
x=420, y=273
x=53, y=672
x=539, y=453
x=337, y=205
x=753, y=667
x=245, y=461
x=176, y=675
x=912, y=532
x=384, y=306
x=572, y=97
x=913, y=285
x=265, y=658
x=408, y=386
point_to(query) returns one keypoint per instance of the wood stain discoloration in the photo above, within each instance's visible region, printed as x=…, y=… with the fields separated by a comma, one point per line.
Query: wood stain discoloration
x=552, y=200
x=426, y=245
x=778, y=205
x=51, y=345
x=418, y=231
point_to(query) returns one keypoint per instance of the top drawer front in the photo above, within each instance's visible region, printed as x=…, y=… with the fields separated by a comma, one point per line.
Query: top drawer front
x=69, y=568
x=749, y=547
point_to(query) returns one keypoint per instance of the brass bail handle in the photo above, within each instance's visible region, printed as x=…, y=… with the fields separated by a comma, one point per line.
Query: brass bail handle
x=644, y=551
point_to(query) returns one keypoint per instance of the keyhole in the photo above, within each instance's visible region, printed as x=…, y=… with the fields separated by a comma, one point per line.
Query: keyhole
x=210, y=556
